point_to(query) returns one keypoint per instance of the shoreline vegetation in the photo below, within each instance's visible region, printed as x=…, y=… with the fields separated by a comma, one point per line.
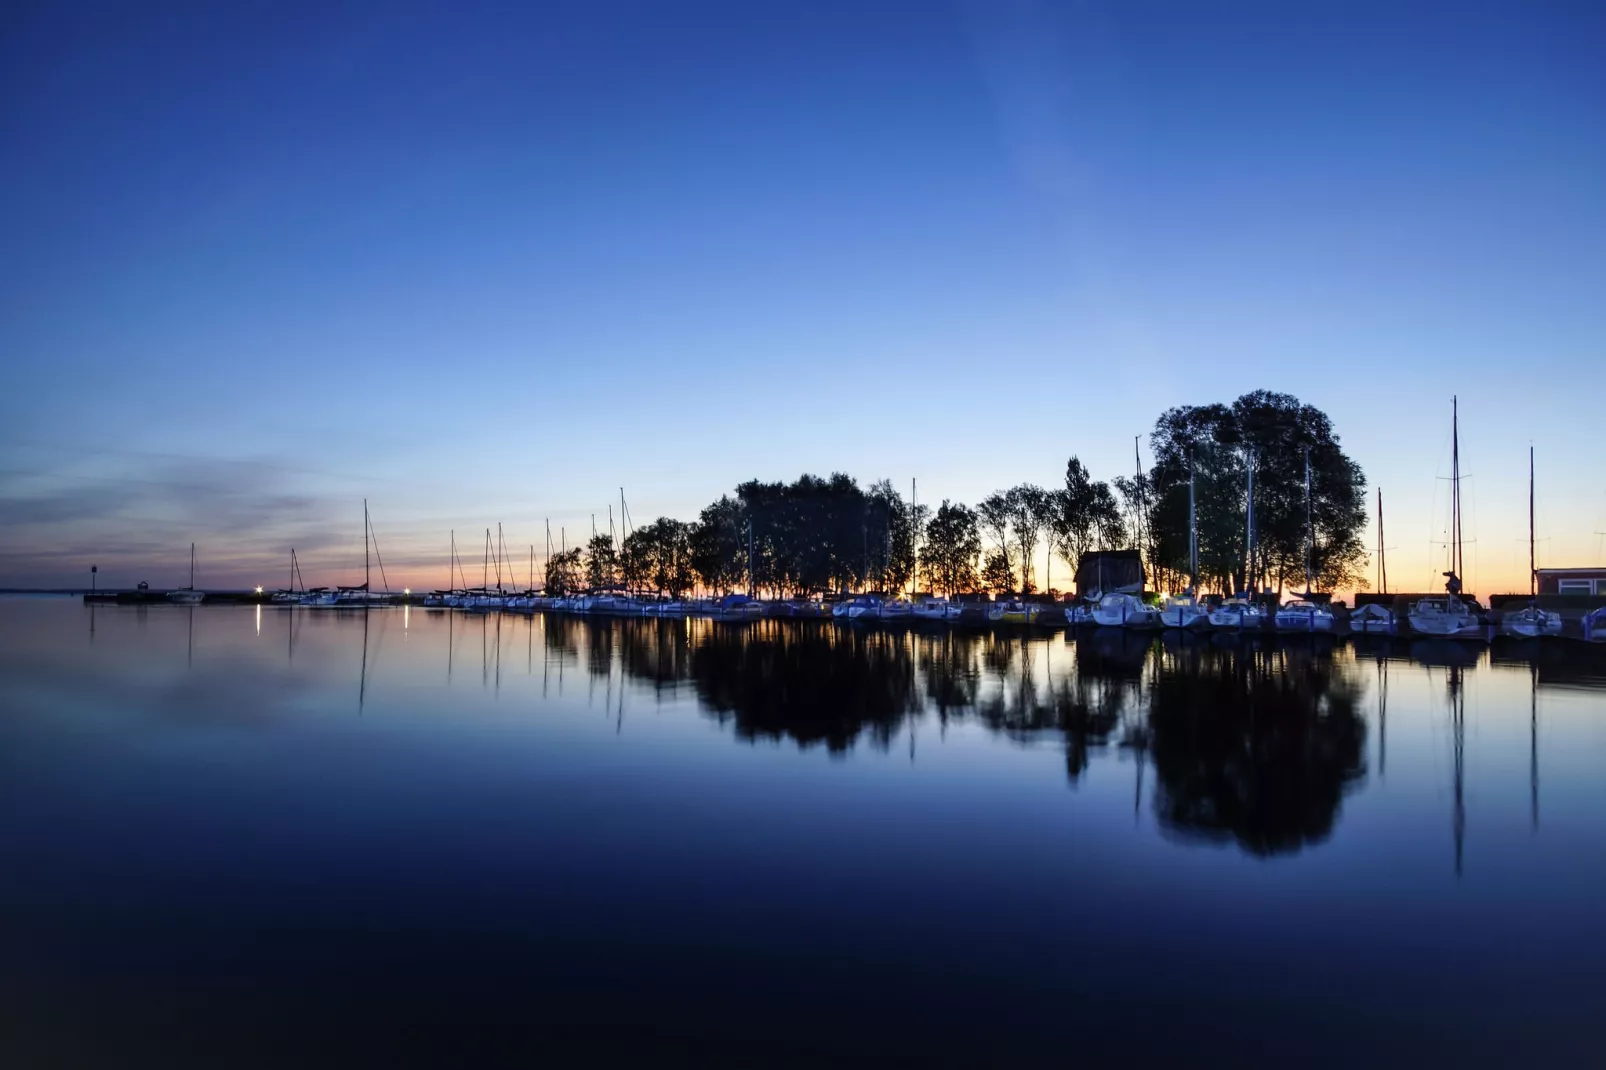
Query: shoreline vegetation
x=833, y=537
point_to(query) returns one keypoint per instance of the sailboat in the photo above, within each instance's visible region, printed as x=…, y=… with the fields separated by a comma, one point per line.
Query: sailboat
x=1373, y=618
x=1531, y=622
x=1450, y=616
x=1183, y=610
x=363, y=596
x=290, y=595
x=1243, y=612
x=1303, y=614
x=188, y=596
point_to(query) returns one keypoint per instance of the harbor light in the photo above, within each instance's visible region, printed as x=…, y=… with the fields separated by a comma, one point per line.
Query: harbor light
x=259, y=588
x=407, y=590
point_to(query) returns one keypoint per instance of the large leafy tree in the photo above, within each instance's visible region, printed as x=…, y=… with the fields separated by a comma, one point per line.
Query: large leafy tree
x=1270, y=433
x=658, y=556
x=952, y=545
x=1084, y=515
x=563, y=572
x=993, y=514
x=718, y=545
x=602, y=562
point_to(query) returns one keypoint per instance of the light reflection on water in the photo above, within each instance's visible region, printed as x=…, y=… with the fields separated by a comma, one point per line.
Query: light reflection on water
x=699, y=835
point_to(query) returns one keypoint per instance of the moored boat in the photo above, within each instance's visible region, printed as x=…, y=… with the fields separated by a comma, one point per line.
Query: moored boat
x=1121, y=609
x=1372, y=619
x=1238, y=614
x=1182, y=611
x=934, y=608
x=188, y=596
x=1303, y=615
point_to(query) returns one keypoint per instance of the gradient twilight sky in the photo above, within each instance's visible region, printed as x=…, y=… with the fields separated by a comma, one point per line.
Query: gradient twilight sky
x=490, y=264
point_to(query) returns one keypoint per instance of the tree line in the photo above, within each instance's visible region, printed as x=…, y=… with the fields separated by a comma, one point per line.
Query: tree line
x=833, y=536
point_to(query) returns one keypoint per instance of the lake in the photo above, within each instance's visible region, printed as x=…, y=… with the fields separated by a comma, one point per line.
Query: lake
x=238, y=836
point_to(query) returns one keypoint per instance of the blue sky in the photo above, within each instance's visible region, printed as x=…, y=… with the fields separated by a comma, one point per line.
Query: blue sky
x=486, y=265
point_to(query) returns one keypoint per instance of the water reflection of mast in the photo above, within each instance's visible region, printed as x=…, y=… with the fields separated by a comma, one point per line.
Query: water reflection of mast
x=189, y=655
x=1458, y=724
x=362, y=680
x=1533, y=738
x=1382, y=717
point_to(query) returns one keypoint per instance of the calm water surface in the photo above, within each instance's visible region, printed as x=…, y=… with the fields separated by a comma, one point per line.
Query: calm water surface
x=232, y=836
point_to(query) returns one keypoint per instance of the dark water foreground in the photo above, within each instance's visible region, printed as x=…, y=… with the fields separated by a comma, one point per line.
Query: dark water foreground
x=259, y=836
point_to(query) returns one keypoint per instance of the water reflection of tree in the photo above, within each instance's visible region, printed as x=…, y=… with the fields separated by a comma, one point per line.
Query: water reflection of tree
x=775, y=680
x=1258, y=745
x=948, y=672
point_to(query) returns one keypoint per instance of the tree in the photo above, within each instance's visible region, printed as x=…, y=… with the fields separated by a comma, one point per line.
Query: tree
x=602, y=562
x=953, y=543
x=563, y=572
x=996, y=574
x=993, y=515
x=718, y=545
x=1219, y=443
x=1029, y=511
x=1084, y=515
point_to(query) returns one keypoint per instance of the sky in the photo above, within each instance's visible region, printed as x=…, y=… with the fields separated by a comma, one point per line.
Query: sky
x=489, y=265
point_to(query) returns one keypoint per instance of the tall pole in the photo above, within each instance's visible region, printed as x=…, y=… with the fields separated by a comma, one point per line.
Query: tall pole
x=1382, y=551
x=192, y=566
x=1532, y=572
x=751, y=586
x=485, y=569
x=1193, y=532
x=1251, y=583
x=1455, y=486
x=914, y=541
x=1310, y=526
x=1137, y=461
x=365, y=544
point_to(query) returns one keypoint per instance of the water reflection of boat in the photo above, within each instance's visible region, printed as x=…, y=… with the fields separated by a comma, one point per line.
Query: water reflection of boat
x=1442, y=652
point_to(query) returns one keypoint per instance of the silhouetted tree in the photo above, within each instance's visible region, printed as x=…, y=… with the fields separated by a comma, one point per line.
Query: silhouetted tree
x=563, y=572
x=1274, y=431
x=996, y=574
x=1084, y=515
x=952, y=545
x=718, y=545
x=602, y=562
x=993, y=515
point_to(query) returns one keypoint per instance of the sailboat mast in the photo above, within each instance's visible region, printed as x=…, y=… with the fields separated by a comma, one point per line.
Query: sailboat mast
x=1137, y=461
x=1310, y=527
x=365, y=544
x=1455, y=487
x=192, y=566
x=1532, y=572
x=1193, y=532
x=485, y=569
x=1251, y=579
x=1382, y=551
x=914, y=542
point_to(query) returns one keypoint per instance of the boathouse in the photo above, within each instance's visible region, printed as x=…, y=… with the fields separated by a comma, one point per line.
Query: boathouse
x=1590, y=581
